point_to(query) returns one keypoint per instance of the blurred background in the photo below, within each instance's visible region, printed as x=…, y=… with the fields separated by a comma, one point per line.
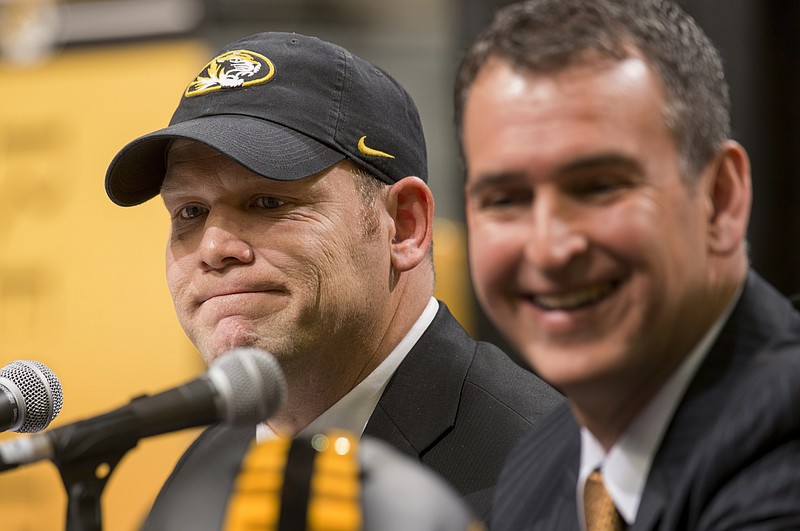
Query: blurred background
x=82, y=285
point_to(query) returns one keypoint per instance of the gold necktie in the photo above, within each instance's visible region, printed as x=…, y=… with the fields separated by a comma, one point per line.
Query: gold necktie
x=601, y=514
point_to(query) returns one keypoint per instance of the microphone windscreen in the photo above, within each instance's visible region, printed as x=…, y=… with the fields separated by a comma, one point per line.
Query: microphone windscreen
x=250, y=383
x=400, y=493
x=40, y=390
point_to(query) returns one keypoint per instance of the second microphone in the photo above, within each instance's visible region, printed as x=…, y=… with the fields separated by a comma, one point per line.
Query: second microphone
x=243, y=386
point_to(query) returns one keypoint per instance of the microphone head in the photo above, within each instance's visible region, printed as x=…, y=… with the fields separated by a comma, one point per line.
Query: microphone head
x=38, y=392
x=250, y=384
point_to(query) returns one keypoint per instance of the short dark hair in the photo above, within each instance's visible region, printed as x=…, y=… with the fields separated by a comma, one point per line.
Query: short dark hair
x=546, y=36
x=369, y=190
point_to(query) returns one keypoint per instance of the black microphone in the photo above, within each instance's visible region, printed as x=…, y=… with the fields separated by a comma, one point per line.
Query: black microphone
x=243, y=386
x=30, y=396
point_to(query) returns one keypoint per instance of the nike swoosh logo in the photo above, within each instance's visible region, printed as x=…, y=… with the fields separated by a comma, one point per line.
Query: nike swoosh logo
x=366, y=150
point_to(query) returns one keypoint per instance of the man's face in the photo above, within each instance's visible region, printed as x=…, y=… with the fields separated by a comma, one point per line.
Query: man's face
x=283, y=266
x=587, y=249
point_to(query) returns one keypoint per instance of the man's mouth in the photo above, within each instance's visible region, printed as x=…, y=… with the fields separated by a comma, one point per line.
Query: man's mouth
x=224, y=294
x=574, y=300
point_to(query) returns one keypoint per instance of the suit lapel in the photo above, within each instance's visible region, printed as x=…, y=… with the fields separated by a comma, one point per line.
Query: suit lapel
x=750, y=327
x=422, y=398
x=688, y=426
x=564, y=516
x=196, y=494
x=537, y=487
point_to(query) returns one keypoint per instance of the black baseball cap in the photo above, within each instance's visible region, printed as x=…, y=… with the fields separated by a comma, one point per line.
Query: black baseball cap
x=285, y=106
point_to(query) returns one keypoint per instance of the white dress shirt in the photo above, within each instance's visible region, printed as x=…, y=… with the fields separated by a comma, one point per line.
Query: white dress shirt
x=626, y=465
x=353, y=410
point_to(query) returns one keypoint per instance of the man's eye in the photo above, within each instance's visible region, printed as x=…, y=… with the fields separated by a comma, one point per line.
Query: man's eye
x=503, y=200
x=600, y=186
x=269, y=202
x=603, y=180
x=191, y=211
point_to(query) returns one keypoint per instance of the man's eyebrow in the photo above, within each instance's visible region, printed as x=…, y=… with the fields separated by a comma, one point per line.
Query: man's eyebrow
x=168, y=188
x=178, y=188
x=603, y=160
x=615, y=160
x=492, y=180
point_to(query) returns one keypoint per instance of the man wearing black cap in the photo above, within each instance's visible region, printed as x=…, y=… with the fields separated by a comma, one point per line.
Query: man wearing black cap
x=295, y=177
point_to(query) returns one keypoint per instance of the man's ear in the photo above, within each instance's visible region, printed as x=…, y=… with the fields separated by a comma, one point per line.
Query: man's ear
x=410, y=203
x=730, y=194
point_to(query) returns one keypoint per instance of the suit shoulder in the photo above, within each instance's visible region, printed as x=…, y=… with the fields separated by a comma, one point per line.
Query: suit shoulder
x=499, y=377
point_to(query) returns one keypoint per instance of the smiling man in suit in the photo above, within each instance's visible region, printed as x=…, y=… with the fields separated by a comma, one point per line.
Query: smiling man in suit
x=607, y=209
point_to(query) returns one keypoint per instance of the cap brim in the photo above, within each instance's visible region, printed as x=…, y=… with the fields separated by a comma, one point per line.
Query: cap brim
x=266, y=148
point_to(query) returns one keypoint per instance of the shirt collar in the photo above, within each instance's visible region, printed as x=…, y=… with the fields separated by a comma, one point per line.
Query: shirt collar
x=353, y=410
x=626, y=466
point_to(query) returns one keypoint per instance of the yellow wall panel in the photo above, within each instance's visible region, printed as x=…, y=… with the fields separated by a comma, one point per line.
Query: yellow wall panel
x=82, y=284
x=452, y=275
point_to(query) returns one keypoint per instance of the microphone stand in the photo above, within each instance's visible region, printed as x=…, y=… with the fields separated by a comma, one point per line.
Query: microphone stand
x=84, y=482
x=86, y=462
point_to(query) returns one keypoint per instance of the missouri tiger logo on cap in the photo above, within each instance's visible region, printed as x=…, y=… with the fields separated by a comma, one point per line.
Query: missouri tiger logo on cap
x=234, y=69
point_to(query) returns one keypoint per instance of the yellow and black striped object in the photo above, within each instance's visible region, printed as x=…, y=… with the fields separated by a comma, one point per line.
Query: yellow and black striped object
x=301, y=484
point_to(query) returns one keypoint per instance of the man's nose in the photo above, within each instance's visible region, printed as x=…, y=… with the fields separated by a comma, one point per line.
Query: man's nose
x=224, y=243
x=555, y=236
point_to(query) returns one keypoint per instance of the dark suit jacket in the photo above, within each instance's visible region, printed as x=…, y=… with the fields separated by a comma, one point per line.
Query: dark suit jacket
x=730, y=458
x=455, y=404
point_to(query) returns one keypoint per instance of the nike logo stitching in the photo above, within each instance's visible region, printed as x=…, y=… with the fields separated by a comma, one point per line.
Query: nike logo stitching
x=366, y=150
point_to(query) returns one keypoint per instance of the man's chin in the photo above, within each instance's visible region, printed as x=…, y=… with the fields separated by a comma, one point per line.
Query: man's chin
x=562, y=366
x=219, y=349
